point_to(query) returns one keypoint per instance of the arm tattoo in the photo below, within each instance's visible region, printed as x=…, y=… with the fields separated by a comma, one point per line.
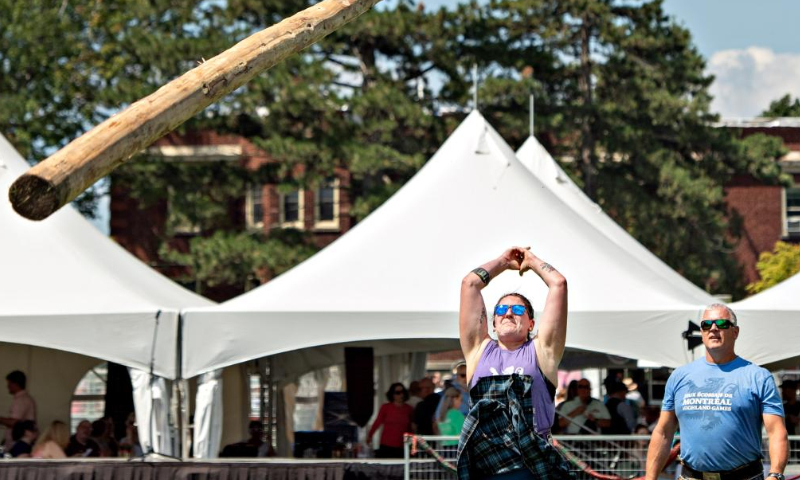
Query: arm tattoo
x=547, y=267
x=483, y=318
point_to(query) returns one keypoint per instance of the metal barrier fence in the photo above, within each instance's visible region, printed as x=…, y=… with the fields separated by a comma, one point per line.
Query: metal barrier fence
x=622, y=456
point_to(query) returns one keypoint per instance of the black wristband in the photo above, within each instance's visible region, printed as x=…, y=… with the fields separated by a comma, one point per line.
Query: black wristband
x=483, y=275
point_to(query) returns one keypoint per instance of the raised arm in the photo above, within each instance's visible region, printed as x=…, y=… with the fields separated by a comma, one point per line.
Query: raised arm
x=552, y=322
x=472, y=319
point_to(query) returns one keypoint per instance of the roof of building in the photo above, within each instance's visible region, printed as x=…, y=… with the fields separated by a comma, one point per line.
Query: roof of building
x=760, y=122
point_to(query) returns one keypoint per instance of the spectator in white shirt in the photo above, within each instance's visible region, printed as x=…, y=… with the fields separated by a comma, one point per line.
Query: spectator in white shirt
x=23, y=407
x=584, y=414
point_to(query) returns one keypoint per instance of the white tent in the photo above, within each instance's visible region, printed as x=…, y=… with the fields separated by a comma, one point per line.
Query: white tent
x=770, y=315
x=65, y=286
x=397, y=274
x=539, y=161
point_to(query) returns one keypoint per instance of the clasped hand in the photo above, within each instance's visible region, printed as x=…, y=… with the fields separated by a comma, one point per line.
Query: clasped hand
x=519, y=258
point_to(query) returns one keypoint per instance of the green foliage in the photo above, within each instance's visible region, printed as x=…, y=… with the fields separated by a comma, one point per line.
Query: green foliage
x=783, y=107
x=239, y=259
x=199, y=194
x=776, y=266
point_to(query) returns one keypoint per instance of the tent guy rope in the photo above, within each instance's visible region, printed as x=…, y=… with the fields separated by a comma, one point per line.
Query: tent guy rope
x=64, y=175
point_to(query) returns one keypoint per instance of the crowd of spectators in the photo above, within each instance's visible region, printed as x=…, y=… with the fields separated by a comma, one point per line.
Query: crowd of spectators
x=91, y=439
x=623, y=410
x=440, y=408
x=430, y=406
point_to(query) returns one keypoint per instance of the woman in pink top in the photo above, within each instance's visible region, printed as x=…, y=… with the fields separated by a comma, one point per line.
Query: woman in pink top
x=52, y=442
x=395, y=416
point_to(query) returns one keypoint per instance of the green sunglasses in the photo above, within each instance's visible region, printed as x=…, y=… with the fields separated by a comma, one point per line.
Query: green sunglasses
x=722, y=324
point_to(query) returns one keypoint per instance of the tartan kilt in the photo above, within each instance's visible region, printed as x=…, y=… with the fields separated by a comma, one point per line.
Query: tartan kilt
x=499, y=433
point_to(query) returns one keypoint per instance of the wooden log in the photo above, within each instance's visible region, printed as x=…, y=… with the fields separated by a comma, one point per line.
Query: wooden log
x=64, y=175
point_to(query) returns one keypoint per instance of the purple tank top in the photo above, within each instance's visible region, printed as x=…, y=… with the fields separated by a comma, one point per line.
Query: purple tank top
x=522, y=361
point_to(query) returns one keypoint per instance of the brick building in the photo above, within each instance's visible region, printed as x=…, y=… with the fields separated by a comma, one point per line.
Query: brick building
x=323, y=211
x=769, y=213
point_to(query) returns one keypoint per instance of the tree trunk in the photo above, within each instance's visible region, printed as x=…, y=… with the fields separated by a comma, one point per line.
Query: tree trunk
x=365, y=51
x=588, y=157
x=63, y=176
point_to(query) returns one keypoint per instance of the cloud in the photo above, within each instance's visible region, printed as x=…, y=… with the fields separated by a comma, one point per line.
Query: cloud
x=746, y=81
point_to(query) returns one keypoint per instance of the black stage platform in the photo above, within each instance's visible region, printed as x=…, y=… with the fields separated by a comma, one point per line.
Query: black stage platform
x=272, y=469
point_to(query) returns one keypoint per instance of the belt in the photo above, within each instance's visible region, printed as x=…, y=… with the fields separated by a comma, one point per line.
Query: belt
x=744, y=472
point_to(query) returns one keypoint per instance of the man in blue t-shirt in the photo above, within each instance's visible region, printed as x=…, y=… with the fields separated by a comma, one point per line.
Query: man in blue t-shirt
x=720, y=402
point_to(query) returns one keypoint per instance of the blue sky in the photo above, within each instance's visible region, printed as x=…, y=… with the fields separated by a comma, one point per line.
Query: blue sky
x=751, y=47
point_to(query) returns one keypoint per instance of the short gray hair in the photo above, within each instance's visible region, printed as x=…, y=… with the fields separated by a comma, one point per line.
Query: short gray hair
x=722, y=306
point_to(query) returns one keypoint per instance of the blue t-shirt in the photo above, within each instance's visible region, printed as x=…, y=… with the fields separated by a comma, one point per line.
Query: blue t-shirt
x=719, y=410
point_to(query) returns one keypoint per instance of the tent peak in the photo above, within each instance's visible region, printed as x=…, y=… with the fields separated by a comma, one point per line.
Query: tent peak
x=475, y=114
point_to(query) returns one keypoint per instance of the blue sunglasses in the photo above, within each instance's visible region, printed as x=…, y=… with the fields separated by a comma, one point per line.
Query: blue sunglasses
x=515, y=309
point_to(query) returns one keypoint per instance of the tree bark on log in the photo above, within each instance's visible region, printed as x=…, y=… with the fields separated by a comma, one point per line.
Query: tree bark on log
x=64, y=175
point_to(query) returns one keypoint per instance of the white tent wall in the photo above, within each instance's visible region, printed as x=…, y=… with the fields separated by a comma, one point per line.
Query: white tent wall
x=287, y=394
x=236, y=398
x=151, y=399
x=110, y=336
x=207, y=437
x=775, y=311
x=52, y=377
x=396, y=275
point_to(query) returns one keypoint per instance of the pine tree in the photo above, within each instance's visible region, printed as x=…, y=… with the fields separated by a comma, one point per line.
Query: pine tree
x=783, y=107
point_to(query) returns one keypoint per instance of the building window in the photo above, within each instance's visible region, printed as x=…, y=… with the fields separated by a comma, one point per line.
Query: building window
x=326, y=208
x=255, y=207
x=792, y=212
x=89, y=398
x=292, y=209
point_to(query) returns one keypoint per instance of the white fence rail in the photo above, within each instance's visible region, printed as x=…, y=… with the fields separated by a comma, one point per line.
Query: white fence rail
x=622, y=456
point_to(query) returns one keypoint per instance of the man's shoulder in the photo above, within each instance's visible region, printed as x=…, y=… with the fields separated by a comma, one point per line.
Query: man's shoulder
x=690, y=368
x=749, y=366
x=745, y=368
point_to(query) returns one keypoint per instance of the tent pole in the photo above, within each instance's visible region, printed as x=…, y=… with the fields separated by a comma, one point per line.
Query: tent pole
x=475, y=86
x=531, y=114
x=262, y=399
x=270, y=402
x=183, y=389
